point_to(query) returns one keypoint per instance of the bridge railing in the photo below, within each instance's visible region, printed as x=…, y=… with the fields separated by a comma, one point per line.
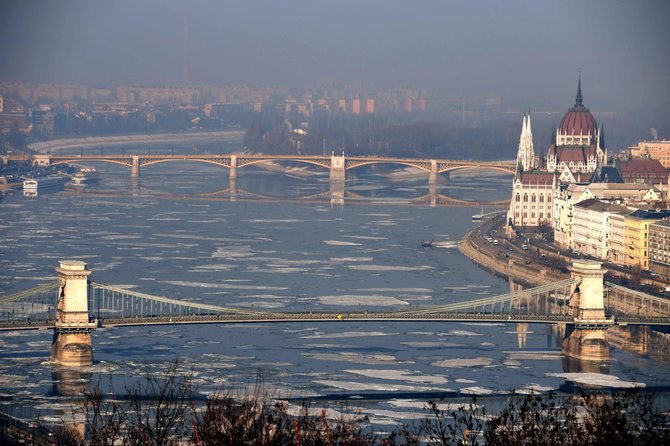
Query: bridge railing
x=623, y=302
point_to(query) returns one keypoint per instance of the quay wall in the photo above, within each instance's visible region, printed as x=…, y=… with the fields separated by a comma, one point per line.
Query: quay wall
x=516, y=269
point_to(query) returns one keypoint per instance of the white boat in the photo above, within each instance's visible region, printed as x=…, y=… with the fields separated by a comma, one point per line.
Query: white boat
x=84, y=176
x=50, y=181
x=478, y=217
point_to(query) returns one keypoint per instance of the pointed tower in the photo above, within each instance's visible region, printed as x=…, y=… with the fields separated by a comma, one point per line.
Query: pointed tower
x=526, y=154
x=578, y=99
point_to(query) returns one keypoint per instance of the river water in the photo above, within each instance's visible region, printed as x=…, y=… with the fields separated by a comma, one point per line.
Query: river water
x=271, y=248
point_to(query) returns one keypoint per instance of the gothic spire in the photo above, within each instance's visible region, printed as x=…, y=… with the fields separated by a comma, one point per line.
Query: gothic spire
x=578, y=98
x=528, y=129
x=553, y=134
x=602, y=136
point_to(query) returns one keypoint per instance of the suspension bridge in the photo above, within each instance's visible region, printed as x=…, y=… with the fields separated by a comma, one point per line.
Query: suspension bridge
x=73, y=306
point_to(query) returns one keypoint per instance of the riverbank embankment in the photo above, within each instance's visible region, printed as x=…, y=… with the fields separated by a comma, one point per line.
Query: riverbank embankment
x=500, y=261
x=55, y=145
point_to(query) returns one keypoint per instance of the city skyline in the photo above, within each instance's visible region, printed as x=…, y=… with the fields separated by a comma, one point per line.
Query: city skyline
x=528, y=53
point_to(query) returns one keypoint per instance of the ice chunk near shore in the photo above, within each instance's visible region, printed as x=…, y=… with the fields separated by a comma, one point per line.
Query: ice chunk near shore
x=400, y=375
x=534, y=388
x=597, y=379
x=464, y=362
x=476, y=390
x=381, y=387
x=531, y=355
x=354, y=358
x=418, y=404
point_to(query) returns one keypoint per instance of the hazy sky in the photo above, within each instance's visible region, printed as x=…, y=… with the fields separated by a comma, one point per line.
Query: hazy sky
x=526, y=51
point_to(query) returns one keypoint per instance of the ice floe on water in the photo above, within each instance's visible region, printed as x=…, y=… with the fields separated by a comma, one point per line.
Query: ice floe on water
x=365, y=237
x=340, y=243
x=445, y=244
x=389, y=267
x=464, y=362
x=260, y=304
x=465, y=381
x=349, y=334
x=476, y=390
x=431, y=344
x=597, y=379
x=533, y=388
x=399, y=290
x=351, y=259
x=533, y=355
x=377, y=387
x=466, y=287
x=274, y=220
x=276, y=269
x=400, y=375
x=352, y=300
x=232, y=252
x=354, y=358
x=212, y=268
x=459, y=333
x=222, y=285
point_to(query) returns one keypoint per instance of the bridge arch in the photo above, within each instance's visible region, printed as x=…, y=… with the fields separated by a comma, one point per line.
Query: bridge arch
x=215, y=162
x=424, y=166
x=127, y=163
x=475, y=167
x=242, y=162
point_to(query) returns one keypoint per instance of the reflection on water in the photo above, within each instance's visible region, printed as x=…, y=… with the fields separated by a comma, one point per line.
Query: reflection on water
x=288, y=254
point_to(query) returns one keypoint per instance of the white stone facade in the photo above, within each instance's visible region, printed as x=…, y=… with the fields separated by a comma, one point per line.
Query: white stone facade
x=565, y=198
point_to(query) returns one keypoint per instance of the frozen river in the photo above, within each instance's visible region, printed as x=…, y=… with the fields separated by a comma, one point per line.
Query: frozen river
x=282, y=253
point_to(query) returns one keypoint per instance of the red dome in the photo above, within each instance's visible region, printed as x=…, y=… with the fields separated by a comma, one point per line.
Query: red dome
x=578, y=120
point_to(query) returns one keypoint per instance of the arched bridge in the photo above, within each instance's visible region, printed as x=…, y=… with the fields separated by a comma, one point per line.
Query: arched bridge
x=337, y=165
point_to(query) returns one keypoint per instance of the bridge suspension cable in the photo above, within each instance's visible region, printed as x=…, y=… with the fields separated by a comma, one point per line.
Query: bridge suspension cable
x=624, y=302
x=50, y=286
x=500, y=299
x=121, y=293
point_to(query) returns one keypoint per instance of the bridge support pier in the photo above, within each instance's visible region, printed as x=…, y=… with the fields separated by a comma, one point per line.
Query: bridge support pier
x=135, y=169
x=585, y=339
x=233, y=167
x=432, y=177
x=432, y=183
x=337, y=168
x=71, y=345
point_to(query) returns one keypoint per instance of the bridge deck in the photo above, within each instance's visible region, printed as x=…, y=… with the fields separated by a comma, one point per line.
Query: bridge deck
x=332, y=317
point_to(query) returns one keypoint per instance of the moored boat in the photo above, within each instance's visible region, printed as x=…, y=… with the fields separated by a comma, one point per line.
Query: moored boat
x=84, y=176
x=46, y=182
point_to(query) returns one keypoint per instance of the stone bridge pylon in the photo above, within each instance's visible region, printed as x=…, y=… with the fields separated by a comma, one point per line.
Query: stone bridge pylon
x=71, y=344
x=585, y=339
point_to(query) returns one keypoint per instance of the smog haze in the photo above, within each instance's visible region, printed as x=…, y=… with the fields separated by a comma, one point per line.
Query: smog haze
x=527, y=52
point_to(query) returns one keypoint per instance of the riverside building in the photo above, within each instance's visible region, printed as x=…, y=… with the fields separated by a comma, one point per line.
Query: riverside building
x=659, y=249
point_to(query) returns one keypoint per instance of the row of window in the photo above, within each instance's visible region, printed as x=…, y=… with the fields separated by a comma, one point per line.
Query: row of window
x=532, y=215
x=532, y=198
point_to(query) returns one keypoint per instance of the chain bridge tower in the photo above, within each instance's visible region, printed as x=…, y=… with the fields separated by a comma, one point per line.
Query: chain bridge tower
x=71, y=345
x=585, y=339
